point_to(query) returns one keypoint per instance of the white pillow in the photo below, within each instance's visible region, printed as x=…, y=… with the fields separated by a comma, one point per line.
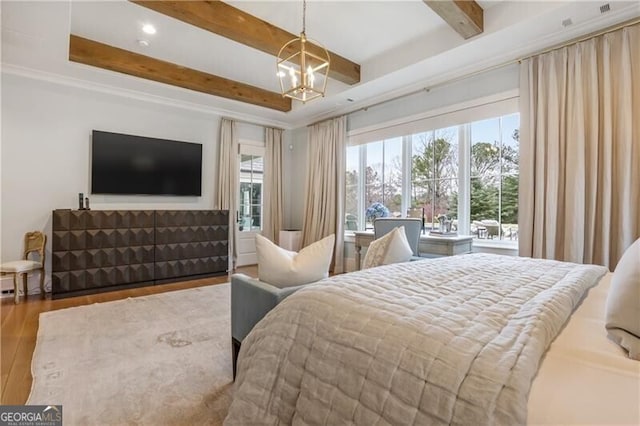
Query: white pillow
x=390, y=248
x=623, y=302
x=284, y=268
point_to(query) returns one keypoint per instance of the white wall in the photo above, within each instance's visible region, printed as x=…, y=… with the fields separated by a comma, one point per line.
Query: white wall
x=46, y=130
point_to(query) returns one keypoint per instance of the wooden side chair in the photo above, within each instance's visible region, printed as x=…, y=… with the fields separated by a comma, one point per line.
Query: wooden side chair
x=34, y=242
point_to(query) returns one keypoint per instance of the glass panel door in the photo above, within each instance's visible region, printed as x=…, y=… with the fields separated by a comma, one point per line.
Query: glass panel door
x=250, y=208
x=250, y=202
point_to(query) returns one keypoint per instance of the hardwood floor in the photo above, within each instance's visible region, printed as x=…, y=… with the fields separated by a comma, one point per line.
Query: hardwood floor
x=19, y=328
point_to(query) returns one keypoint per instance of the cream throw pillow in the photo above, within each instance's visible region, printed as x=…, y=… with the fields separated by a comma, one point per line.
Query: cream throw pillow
x=284, y=268
x=623, y=302
x=391, y=248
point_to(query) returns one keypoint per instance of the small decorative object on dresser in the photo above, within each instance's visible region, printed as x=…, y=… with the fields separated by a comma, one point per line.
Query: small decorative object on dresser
x=444, y=227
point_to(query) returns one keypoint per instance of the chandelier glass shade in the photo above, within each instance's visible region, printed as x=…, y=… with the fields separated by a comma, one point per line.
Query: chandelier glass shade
x=303, y=67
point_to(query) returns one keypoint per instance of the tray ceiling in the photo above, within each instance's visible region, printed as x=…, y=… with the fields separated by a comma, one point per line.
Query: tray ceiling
x=399, y=46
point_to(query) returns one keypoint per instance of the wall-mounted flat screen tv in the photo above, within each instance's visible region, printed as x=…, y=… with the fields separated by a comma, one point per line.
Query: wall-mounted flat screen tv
x=126, y=164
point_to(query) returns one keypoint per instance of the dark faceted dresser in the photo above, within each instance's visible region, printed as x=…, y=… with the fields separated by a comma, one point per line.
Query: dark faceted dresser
x=103, y=250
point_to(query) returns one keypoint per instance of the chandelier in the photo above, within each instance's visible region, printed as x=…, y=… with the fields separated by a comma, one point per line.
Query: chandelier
x=303, y=66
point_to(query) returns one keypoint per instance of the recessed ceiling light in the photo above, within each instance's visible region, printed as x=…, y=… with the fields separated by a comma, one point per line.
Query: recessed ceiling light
x=143, y=43
x=149, y=29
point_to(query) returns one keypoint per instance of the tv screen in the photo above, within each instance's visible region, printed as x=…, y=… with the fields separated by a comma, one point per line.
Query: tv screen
x=126, y=164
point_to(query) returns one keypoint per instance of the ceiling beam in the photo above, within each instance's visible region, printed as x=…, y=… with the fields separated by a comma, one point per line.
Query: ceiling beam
x=464, y=16
x=232, y=23
x=101, y=55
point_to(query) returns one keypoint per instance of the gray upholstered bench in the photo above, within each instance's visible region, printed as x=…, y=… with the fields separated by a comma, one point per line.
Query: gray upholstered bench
x=251, y=300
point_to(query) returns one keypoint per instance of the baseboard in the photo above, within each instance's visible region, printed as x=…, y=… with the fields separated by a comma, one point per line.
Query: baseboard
x=8, y=294
x=33, y=284
x=5, y=294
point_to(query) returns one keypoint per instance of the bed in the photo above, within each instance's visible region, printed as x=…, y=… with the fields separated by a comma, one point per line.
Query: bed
x=447, y=341
x=585, y=378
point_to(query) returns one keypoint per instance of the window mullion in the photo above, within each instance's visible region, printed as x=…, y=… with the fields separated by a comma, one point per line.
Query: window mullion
x=406, y=174
x=500, y=182
x=433, y=177
x=384, y=201
x=464, y=179
x=362, y=157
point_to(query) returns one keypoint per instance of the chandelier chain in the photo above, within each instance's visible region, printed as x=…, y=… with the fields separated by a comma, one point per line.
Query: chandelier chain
x=304, y=16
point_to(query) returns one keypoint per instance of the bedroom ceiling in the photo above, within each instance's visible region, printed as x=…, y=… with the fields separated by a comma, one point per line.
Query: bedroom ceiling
x=400, y=46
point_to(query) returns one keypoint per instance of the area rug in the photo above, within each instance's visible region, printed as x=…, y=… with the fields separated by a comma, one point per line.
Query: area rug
x=163, y=359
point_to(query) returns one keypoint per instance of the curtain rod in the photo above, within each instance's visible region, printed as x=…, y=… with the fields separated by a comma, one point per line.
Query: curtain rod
x=571, y=42
x=251, y=123
x=589, y=36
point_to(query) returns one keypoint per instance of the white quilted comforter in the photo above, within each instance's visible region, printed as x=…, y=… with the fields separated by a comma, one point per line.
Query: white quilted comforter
x=454, y=340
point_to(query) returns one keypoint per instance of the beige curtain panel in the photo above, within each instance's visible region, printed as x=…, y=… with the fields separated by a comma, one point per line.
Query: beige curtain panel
x=273, y=185
x=580, y=150
x=228, y=175
x=324, y=199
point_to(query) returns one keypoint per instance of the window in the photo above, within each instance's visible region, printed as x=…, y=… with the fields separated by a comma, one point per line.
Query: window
x=383, y=175
x=250, y=201
x=468, y=172
x=494, y=177
x=434, y=173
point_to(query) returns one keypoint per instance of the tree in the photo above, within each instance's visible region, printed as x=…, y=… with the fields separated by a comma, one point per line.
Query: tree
x=434, y=164
x=351, y=193
x=484, y=200
x=387, y=192
x=491, y=197
x=373, y=186
x=433, y=159
x=485, y=159
x=509, y=213
x=488, y=161
x=392, y=188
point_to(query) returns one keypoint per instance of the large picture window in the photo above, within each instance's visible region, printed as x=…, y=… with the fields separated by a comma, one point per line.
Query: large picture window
x=468, y=172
